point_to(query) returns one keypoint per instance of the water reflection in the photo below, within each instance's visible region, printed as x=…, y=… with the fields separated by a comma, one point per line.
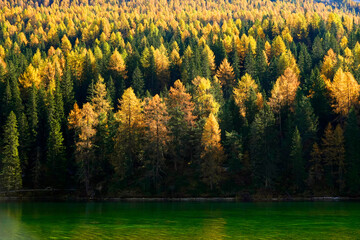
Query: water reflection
x=179, y=221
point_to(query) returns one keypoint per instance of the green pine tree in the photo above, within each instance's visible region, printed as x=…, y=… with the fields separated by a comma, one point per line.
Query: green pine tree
x=67, y=90
x=297, y=161
x=55, y=149
x=352, y=146
x=138, y=82
x=250, y=63
x=11, y=170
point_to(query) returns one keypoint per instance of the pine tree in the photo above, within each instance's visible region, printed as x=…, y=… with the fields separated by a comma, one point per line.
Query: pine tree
x=334, y=155
x=352, y=146
x=316, y=169
x=306, y=121
x=297, y=161
x=11, y=170
x=261, y=65
x=138, y=82
x=55, y=148
x=111, y=90
x=304, y=61
x=250, y=63
x=213, y=153
x=317, y=50
x=263, y=148
x=67, y=90
x=236, y=64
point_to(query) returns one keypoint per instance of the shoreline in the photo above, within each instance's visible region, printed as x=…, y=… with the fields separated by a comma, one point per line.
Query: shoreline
x=177, y=199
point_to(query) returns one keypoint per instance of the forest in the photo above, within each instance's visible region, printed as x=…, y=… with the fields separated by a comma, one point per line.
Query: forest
x=180, y=98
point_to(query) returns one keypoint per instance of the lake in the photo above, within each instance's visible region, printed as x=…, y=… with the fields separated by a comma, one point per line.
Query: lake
x=180, y=220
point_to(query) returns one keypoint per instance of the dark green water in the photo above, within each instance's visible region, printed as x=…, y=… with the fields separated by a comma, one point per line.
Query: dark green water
x=299, y=220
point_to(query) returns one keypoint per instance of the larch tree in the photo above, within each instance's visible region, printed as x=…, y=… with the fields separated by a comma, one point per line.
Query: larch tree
x=344, y=89
x=226, y=76
x=242, y=90
x=11, y=169
x=65, y=45
x=287, y=60
x=182, y=120
x=329, y=64
x=29, y=77
x=100, y=102
x=278, y=46
x=84, y=121
x=162, y=65
x=212, y=154
x=205, y=101
x=157, y=136
x=118, y=71
x=284, y=91
x=128, y=137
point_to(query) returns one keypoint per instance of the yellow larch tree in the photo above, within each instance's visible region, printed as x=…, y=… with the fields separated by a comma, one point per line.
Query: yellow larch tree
x=29, y=77
x=287, y=60
x=157, y=134
x=284, y=91
x=226, y=76
x=99, y=101
x=162, y=67
x=344, y=89
x=84, y=122
x=241, y=92
x=65, y=45
x=212, y=154
x=328, y=66
x=117, y=64
x=128, y=138
x=278, y=46
x=205, y=101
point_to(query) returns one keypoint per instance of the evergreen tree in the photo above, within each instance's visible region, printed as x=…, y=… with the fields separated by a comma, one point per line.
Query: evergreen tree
x=55, y=148
x=250, y=63
x=352, y=146
x=334, y=156
x=297, y=161
x=67, y=90
x=316, y=169
x=236, y=63
x=317, y=50
x=263, y=148
x=11, y=170
x=138, y=82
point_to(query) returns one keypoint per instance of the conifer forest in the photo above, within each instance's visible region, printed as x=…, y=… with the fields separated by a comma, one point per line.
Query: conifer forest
x=179, y=98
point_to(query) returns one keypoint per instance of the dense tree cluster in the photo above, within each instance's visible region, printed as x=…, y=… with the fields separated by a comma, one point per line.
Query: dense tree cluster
x=180, y=97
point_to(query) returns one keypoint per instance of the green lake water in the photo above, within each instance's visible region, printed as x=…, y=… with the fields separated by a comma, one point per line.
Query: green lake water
x=195, y=220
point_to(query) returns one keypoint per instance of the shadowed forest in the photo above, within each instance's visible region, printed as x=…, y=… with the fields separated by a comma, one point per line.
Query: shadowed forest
x=180, y=98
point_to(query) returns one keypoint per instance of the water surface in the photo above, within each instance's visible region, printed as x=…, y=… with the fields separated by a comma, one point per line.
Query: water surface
x=297, y=220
